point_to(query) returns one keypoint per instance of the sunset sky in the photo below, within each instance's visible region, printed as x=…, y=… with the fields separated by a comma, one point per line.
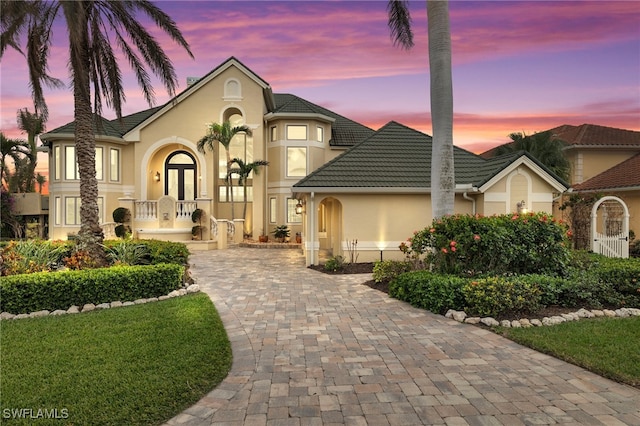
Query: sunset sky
x=517, y=66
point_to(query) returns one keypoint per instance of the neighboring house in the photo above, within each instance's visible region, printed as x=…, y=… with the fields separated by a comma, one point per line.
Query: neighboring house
x=604, y=161
x=378, y=192
x=351, y=182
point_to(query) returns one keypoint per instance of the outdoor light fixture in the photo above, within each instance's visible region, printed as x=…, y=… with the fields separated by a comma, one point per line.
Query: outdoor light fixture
x=522, y=207
x=157, y=177
x=299, y=207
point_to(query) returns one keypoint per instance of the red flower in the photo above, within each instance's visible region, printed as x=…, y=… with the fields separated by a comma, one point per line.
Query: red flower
x=453, y=249
x=476, y=237
x=514, y=217
x=444, y=250
x=452, y=244
x=432, y=230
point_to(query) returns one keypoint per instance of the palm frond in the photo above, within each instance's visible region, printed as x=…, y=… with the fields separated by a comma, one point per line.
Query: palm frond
x=400, y=23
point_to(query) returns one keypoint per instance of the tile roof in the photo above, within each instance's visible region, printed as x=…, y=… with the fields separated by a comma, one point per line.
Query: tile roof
x=588, y=135
x=397, y=156
x=344, y=132
x=621, y=176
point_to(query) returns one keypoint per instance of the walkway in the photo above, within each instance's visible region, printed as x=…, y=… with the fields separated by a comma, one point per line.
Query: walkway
x=317, y=349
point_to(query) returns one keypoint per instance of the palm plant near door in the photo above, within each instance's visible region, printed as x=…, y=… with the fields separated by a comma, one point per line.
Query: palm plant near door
x=223, y=134
x=244, y=170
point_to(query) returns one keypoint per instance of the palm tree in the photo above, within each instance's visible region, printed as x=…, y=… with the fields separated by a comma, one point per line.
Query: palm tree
x=32, y=125
x=15, y=149
x=93, y=29
x=223, y=134
x=40, y=180
x=244, y=170
x=544, y=147
x=442, y=167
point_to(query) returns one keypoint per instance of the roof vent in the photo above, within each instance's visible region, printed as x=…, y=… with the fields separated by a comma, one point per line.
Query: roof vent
x=192, y=80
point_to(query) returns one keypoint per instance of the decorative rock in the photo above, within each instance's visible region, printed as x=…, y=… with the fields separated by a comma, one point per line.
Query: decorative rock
x=88, y=307
x=128, y=303
x=490, y=322
x=634, y=312
x=449, y=314
x=174, y=293
x=152, y=299
x=536, y=322
x=597, y=313
x=140, y=301
x=103, y=306
x=505, y=323
x=73, y=310
x=516, y=324
x=472, y=320
x=38, y=314
x=116, y=304
x=569, y=317
x=459, y=316
x=21, y=316
x=6, y=315
x=583, y=313
x=182, y=291
x=525, y=323
x=165, y=297
x=193, y=288
x=623, y=313
x=59, y=312
x=609, y=313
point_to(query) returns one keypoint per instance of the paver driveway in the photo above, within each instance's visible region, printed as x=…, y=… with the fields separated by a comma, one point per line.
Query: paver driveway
x=317, y=349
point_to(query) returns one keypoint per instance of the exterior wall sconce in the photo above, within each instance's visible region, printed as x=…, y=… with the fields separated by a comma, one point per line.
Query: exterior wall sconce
x=522, y=207
x=299, y=207
x=156, y=177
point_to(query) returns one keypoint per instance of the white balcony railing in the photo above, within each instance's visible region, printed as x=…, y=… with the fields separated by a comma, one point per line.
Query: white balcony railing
x=146, y=210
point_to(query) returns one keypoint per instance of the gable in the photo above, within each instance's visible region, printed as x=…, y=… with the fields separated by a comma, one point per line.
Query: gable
x=623, y=176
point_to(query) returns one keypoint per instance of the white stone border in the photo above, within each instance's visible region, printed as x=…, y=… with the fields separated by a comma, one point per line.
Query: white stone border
x=461, y=316
x=193, y=288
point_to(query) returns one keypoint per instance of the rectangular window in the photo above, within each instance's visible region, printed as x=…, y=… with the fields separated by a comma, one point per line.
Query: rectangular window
x=71, y=166
x=272, y=210
x=57, y=210
x=99, y=163
x=238, y=194
x=114, y=165
x=297, y=132
x=57, y=163
x=292, y=216
x=274, y=133
x=320, y=134
x=296, y=161
x=72, y=211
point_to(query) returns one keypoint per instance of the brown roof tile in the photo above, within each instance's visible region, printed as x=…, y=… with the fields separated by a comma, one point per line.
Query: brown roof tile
x=622, y=175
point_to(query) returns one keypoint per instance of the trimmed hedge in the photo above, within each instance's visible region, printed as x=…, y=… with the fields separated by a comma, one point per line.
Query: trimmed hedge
x=60, y=290
x=427, y=290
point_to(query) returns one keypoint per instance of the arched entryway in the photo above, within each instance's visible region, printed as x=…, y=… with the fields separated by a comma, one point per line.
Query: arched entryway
x=610, y=227
x=329, y=227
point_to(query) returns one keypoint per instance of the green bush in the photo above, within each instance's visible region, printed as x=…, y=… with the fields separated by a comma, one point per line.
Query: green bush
x=427, y=290
x=478, y=245
x=39, y=291
x=23, y=257
x=166, y=252
x=622, y=275
x=334, y=264
x=387, y=270
x=496, y=296
x=128, y=252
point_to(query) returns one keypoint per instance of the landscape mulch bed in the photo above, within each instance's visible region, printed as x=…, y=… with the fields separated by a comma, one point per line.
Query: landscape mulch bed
x=367, y=268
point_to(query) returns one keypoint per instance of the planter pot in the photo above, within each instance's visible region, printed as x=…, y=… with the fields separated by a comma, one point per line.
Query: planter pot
x=263, y=238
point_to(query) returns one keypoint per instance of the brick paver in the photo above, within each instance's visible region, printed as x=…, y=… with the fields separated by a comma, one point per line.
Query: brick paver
x=317, y=349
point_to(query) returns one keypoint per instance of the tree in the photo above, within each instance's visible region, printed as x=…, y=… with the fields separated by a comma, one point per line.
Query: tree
x=93, y=29
x=31, y=124
x=244, y=170
x=544, y=147
x=223, y=134
x=40, y=180
x=442, y=166
x=10, y=148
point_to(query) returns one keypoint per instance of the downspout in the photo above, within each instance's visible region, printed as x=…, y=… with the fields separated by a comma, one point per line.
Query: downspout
x=473, y=202
x=312, y=226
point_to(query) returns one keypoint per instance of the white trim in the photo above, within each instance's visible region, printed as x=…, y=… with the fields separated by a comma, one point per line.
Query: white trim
x=298, y=115
x=524, y=160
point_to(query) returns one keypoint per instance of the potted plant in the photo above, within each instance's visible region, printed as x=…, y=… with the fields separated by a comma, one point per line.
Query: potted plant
x=122, y=216
x=298, y=237
x=263, y=238
x=196, y=217
x=281, y=233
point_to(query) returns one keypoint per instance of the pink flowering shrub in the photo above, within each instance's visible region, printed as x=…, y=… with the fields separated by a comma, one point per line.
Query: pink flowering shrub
x=478, y=245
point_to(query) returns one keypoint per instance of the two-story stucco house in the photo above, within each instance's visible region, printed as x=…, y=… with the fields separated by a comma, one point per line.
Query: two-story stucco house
x=329, y=178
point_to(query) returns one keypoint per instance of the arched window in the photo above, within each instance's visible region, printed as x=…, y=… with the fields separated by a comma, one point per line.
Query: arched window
x=180, y=170
x=232, y=89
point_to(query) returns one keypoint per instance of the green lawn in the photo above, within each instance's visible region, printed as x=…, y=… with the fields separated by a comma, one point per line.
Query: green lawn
x=609, y=347
x=137, y=365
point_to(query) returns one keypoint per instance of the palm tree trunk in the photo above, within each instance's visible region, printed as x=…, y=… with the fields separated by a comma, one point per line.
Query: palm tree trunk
x=90, y=236
x=230, y=182
x=442, y=171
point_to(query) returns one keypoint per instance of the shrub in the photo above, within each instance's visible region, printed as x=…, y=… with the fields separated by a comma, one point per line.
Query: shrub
x=128, y=252
x=166, y=252
x=122, y=215
x=30, y=256
x=478, y=245
x=623, y=275
x=427, y=290
x=496, y=296
x=334, y=264
x=34, y=292
x=387, y=270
